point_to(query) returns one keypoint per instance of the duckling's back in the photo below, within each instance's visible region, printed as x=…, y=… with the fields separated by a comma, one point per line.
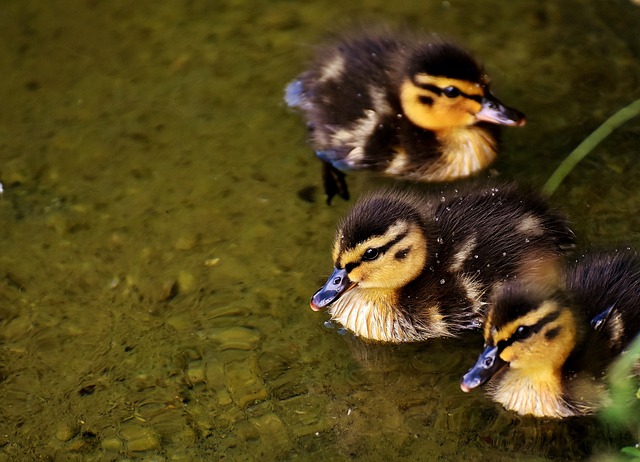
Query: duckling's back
x=607, y=286
x=483, y=238
x=512, y=229
x=349, y=83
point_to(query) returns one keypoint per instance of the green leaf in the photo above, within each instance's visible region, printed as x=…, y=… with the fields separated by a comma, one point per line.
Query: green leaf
x=631, y=451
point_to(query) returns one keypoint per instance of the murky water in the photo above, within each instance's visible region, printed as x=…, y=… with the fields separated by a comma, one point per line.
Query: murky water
x=156, y=255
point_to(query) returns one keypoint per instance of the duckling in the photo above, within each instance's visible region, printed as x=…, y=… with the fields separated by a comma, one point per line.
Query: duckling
x=418, y=108
x=410, y=266
x=547, y=348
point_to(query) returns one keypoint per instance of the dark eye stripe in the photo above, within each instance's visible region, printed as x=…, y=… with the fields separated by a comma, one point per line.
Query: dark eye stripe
x=382, y=249
x=502, y=344
x=392, y=242
x=438, y=91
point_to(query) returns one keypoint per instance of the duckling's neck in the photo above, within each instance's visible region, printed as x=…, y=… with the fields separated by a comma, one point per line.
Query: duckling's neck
x=373, y=314
x=539, y=393
x=465, y=150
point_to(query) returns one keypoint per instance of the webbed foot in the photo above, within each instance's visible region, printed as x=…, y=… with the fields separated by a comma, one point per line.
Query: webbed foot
x=335, y=182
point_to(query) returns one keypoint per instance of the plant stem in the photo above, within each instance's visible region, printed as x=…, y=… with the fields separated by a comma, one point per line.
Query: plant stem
x=589, y=143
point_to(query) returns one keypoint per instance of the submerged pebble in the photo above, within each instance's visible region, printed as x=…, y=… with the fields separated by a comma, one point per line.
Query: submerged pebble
x=238, y=338
x=244, y=384
x=64, y=432
x=272, y=429
x=138, y=437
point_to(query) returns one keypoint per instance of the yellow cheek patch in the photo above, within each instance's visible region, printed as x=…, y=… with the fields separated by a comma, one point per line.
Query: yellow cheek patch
x=442, y=113
x=507, y=354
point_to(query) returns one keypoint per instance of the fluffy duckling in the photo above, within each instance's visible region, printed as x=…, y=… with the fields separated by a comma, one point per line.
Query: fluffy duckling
x=547, y=350
x=412, y=107
x=409, y=266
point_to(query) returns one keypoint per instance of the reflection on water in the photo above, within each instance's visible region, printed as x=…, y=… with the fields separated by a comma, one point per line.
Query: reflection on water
x=163, y=228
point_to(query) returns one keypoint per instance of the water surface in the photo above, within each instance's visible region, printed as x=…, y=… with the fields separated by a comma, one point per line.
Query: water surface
x=157, y=254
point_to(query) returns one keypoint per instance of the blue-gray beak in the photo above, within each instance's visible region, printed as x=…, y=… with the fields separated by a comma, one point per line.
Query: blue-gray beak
x=488, y=364
x=495, y=112
x=337, y=284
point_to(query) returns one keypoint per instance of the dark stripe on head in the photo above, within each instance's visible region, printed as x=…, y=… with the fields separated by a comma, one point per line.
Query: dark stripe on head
x=392, y=242
x=513, y=301
x=553, y=333
x=438, y=91
x=373, y=216
x=425, y=100
x=444, y=60
x=530, y=330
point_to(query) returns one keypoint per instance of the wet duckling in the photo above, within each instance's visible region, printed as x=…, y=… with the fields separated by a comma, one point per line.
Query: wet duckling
x=412, y=107
x=410, y=266
x=547, y=349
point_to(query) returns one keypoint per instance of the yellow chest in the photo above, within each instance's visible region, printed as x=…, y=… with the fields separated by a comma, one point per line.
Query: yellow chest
x=466, y=151
x=545, y=395
x=375, y=315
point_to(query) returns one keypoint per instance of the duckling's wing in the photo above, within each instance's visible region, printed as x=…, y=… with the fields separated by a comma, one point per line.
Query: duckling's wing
x=599, y=321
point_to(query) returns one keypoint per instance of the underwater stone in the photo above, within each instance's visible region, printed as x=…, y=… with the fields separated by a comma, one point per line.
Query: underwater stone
x=243, y=383
x=215, y=374
x=186, y=281
x=64, y=432
x=224, y=398
x=111, y=444
x=139, y=438
x=306, y=415
x=238, y=338
x=180, y=322
x=272, y=429
x=186, y=242
x=195, y=373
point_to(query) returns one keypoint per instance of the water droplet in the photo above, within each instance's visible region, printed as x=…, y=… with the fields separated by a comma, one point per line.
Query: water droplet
x=504, y=254
x=440, y=240
x=526, y=240
x=442, y=199
x=441, y=281
x=475, y=256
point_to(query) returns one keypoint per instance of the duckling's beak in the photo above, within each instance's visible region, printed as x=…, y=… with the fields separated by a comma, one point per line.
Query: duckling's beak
x=488, y=364
x=495, y=112
x=337, y=284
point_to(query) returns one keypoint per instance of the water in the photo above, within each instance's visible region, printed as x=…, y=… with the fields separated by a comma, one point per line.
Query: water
x=163, y=228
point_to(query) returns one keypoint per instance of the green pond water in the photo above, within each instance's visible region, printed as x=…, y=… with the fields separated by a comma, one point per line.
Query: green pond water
x=162, y=228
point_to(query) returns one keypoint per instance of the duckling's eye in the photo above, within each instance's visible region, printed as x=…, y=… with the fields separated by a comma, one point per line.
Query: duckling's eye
x=522, y=332
x=371, y=254
x=451, y=92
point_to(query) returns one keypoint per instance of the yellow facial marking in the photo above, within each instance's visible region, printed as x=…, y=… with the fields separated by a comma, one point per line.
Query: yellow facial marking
x=539, y=354
x=432, y=110
x=401, y=260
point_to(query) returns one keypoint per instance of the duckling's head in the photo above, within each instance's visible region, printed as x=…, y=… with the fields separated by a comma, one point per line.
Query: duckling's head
x=381, y=245
x=532, y=331
x=443, y=87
